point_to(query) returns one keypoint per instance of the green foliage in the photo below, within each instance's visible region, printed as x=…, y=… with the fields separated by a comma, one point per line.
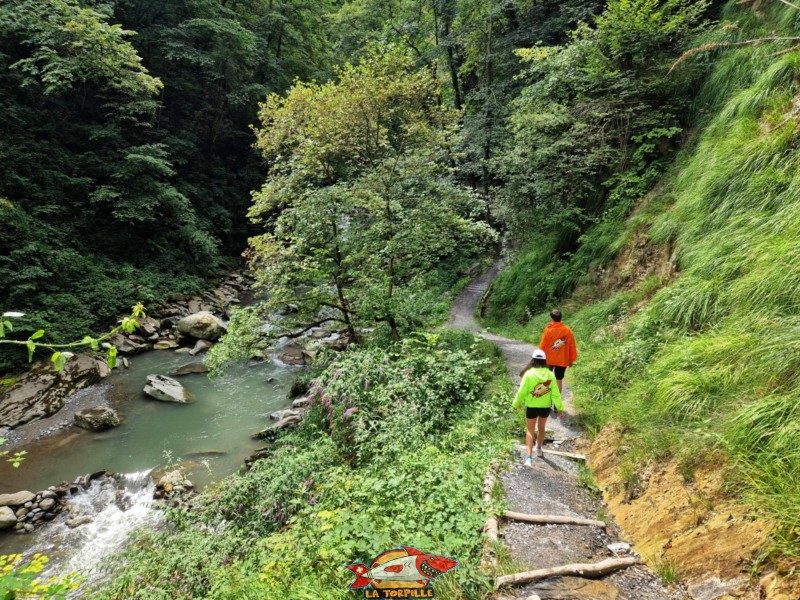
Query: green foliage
x=20, y=579
x=393, y=451
x=127, y=151
x=60, y=355
x=360, y=206
x=589, y=135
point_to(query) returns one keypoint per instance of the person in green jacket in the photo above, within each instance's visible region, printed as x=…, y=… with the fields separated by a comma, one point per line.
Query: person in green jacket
x=538, y=391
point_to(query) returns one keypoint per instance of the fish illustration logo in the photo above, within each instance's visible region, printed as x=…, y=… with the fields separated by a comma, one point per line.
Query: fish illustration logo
x=405, y=571
x=559, y=343
x=541, y=389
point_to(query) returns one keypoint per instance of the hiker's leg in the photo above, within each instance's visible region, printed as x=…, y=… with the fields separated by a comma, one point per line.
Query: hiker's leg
x=542, y=421
x=529, y=436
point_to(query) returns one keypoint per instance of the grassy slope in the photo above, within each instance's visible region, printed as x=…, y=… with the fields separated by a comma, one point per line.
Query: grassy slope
x=709, y=359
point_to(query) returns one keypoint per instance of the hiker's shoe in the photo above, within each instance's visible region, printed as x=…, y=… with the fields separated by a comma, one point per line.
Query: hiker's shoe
x=539, y=452
x=527, y=461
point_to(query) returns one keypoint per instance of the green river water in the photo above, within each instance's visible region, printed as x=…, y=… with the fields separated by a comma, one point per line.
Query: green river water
x=210, y=436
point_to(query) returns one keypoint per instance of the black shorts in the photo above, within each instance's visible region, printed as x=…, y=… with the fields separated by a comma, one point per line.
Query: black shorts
x=532, y=412
x=558, y=371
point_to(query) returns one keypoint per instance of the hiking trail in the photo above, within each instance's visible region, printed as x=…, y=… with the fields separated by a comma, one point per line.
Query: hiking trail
x=552, y=487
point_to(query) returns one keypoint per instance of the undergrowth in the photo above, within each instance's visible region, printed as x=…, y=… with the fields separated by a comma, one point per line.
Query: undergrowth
x=392, y=452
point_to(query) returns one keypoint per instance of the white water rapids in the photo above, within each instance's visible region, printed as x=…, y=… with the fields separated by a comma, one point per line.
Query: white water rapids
x=113, y=507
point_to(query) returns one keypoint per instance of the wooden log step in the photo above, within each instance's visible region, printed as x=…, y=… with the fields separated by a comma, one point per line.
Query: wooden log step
x=551, y=519
x=589, y=570
x=565, y=454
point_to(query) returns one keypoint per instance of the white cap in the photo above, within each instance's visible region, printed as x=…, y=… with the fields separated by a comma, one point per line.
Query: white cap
x=539, y=353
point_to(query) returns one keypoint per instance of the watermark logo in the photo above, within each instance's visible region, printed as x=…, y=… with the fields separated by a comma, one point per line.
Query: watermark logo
x=402, y=572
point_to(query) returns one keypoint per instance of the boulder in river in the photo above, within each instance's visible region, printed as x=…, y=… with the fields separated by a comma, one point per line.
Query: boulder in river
x=292, y=355
x=272, y=431
x=166, y=389
x=200, y=347
x=202, y=326
x=189, y=369
x=301, y=402
x=299, y=388
x=97, y=419
x=7, y=518
x=286, y=412
x=42, y=391
x=165, y=345
x=16, y=499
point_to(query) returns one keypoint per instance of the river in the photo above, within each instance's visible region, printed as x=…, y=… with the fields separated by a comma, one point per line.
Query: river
x=209, y=437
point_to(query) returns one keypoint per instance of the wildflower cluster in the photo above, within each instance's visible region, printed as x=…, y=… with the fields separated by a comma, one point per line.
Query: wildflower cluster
x=19, y=578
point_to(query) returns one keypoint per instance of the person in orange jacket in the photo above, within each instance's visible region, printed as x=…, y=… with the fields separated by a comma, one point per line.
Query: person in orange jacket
x=558, y=342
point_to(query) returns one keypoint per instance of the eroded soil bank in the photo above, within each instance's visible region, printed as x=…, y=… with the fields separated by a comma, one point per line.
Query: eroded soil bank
x=694, y=528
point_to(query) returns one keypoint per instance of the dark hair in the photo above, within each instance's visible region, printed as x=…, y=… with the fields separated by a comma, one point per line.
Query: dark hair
x=555, y=314
x=537, y=363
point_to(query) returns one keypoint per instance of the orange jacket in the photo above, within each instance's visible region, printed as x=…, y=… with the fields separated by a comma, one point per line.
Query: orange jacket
x=558, y=343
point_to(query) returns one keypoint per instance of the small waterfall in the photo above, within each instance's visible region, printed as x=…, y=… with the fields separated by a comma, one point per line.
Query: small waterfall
x=112, y=507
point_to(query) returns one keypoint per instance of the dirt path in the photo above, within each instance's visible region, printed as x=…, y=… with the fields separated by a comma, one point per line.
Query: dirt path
x=552, y=486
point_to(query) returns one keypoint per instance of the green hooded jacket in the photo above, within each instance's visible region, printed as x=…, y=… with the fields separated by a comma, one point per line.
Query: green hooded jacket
x=538, y=389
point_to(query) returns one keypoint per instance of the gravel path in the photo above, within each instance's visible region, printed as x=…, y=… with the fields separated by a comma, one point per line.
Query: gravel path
x=551, y=486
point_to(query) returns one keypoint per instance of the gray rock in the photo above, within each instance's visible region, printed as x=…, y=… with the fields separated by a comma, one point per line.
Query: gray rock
x=7, y=518
x=200, y=347
x=165, y=345
x=166, y=389
x=189, y=369
x=270, y=432
x=292, y=355
x=128, y=345
x=97, y=419
x=47, y=504
x=286, y=412
x=301, y=402
x=619, y=548
x=183, y=350
x=149, y=326
x=42, y=391
x=73, y=523
x=202, y=326
x=21, y=512
x=50, y=493
x=17, y=499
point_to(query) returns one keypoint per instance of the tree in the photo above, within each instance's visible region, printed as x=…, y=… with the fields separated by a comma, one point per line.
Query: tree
x=360, y=204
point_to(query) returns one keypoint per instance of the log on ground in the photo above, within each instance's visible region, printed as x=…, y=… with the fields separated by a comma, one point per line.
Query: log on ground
x=589, y=570
x=551, y=519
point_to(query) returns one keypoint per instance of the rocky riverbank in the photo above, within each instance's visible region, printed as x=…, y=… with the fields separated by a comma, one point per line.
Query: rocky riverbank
x=189, y=324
